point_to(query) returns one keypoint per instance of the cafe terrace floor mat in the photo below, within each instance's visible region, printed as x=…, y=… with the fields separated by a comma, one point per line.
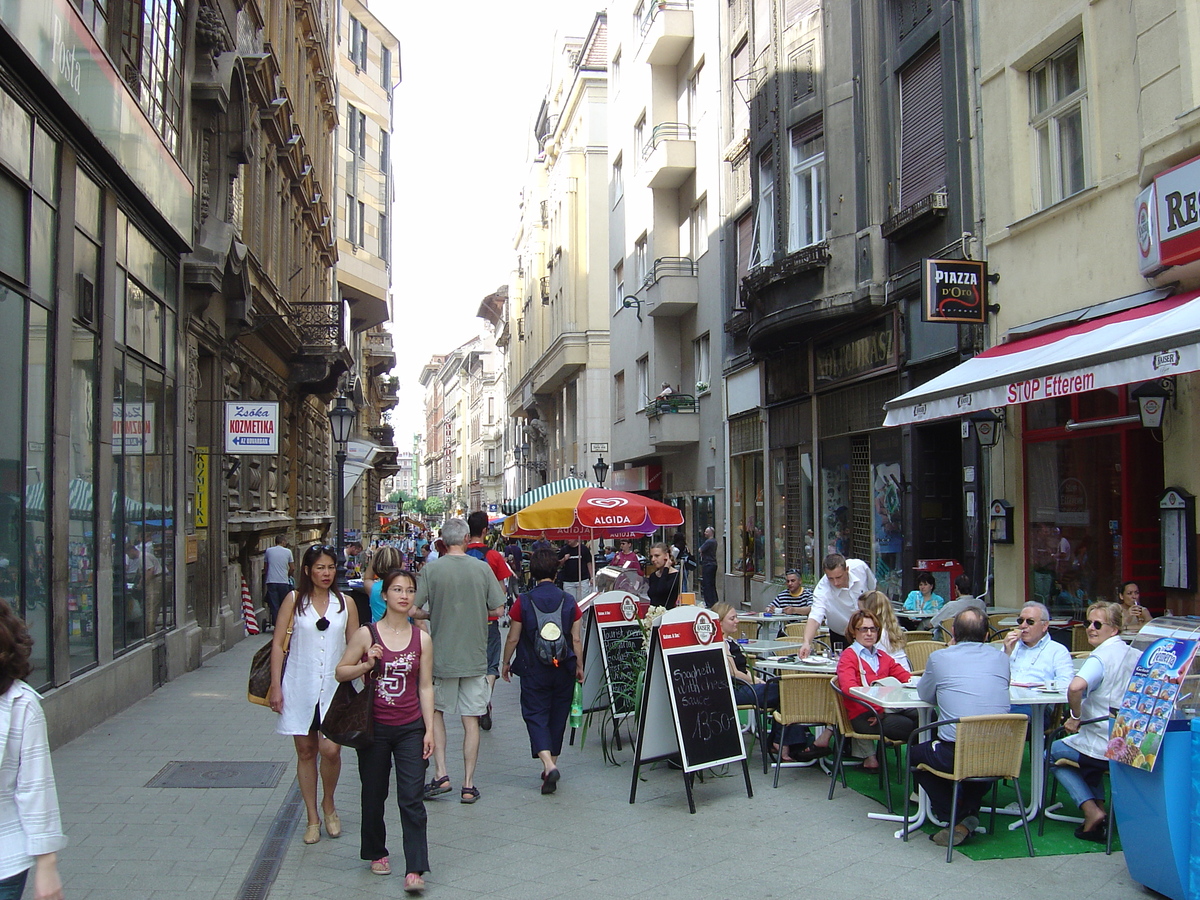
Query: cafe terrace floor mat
x=1059, y=839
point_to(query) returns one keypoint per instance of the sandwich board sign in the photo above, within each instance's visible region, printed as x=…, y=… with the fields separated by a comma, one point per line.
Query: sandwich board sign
x=688, y=711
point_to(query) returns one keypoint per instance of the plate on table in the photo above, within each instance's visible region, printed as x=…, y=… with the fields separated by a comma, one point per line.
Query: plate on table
x=1042, y=689
x=815, y=660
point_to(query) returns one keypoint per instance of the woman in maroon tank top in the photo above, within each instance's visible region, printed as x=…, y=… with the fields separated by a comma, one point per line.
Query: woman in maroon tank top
x=403, y=687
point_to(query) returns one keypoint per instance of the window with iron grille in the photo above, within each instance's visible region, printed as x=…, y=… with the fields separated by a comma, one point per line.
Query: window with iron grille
x=1058, y=104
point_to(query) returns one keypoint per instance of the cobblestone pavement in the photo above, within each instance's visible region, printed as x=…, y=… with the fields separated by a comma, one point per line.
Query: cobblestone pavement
x=129, y=841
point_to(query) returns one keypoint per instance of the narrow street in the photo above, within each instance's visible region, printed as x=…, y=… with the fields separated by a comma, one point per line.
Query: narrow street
x=129, y=841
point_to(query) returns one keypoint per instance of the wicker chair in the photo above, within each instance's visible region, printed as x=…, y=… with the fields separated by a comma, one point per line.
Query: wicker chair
x=1050, y=784
x=987, y=748
x=846, y=732
x=911, y=636
x=1079, y=641
x=994, y=620
x=794, y=629
x=918, y=653
x=747, y=630
x=803, y=700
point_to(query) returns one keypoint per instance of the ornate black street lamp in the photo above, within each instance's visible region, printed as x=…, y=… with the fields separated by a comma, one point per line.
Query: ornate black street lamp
x=341, y=420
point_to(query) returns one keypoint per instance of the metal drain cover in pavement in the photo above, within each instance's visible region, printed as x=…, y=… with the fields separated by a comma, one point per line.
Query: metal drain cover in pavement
x=218, y=775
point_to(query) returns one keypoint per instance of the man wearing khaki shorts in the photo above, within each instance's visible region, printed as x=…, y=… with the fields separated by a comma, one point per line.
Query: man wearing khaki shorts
x=456, y=592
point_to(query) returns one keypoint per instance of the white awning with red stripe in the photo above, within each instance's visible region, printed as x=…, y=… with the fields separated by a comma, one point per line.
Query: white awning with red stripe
x=1136, y=345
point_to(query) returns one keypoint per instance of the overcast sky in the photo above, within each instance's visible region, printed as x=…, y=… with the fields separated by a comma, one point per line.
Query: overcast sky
x=473, y=74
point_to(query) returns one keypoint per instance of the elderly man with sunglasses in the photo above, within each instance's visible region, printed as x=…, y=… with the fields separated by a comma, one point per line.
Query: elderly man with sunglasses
x=1033, y=656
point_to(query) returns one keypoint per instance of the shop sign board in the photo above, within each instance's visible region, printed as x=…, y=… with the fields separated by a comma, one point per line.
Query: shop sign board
x=1149, y=251
x=252, y=426
x=861, y=352
x=133, y=427
x=1177, y=213
x=954, y=291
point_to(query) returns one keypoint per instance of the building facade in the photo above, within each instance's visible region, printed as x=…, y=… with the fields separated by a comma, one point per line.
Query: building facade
x=368, y=69
x=557, y=344
x=665, y=296
x=849, y=148
x=1090, y=125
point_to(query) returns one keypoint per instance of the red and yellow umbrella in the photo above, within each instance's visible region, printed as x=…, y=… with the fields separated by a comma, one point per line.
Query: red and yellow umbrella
x=587, y=513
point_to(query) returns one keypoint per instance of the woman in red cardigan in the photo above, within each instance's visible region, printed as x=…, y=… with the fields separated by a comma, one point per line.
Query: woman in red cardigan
x=863, y=663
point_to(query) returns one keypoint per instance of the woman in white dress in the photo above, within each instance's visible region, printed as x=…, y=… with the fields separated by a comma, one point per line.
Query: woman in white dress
x=320, y=622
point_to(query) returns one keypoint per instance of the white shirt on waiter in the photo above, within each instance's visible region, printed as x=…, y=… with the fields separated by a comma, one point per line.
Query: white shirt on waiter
x=834, y=606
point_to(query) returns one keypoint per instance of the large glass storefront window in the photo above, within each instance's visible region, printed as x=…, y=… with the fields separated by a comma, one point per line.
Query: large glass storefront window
x=886, y=498
x=793, y=544
x=143, y=442
x=749, y=513
x=1092, y=501
x=28, y=197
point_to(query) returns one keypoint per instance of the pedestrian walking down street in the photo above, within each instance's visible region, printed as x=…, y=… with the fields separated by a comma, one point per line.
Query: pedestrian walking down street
x=477, y=523
x=383, y=560
x=546, y=687
x=403, y=727
x=278, y=570
x=708, y=568
x=320, y=622
x=457, y=593
x=663, y=579
x=30, y=826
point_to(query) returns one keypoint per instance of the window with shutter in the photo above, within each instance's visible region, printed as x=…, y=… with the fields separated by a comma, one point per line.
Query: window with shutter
x=922, y=128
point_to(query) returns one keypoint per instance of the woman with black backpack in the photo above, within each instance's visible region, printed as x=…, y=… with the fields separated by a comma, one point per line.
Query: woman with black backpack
x=544, y=634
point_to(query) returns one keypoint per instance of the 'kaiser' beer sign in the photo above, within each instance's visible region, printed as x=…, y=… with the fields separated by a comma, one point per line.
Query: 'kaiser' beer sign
x=955, y=291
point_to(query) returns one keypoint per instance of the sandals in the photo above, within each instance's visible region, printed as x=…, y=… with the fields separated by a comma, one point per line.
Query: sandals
x=333, y=825
x=414, y=883
x=437, y=786
x=382, y=866
x=469, y=795
x=312, y=833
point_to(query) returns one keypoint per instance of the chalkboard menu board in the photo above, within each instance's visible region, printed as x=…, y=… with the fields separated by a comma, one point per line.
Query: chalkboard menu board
x=704, y=708
x=688, y=713
x=624, y=659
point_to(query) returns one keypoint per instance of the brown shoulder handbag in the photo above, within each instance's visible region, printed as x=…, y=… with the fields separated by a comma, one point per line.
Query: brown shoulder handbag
x=260, y=670
x=350, y=719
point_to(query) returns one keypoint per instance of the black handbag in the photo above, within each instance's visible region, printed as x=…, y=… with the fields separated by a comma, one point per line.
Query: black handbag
x=259, y=684
x=350, y=719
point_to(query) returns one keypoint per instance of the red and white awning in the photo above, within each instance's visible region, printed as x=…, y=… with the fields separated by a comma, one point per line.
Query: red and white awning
x=1140, y=344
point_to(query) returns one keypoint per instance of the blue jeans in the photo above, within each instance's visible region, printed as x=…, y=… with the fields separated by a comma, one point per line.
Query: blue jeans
x=1084, y=783
x=11, y=888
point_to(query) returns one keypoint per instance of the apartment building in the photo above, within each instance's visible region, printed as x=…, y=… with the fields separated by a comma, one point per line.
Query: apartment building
x=1092, y=151
x=665, y=306
x=368, y=70
x=847, y=134
x=558, y=345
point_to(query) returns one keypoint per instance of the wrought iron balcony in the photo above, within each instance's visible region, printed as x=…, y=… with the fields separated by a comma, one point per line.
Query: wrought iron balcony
x=672, y=403
x=671, y=286
x=670, y=155
x=319, y=325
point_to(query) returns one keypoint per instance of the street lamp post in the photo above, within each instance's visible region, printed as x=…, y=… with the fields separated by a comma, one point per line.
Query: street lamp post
x=601, y=470
x=341, y=419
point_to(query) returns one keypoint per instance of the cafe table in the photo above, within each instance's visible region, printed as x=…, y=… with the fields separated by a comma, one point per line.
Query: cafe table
x=764, y=621
x=762, y=648
x=904, y=696
x=816, y=665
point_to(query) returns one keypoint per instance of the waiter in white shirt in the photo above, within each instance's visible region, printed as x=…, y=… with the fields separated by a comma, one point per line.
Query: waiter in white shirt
x=835, y=598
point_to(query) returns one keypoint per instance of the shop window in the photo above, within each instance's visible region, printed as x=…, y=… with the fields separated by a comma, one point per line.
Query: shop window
x=748, y=510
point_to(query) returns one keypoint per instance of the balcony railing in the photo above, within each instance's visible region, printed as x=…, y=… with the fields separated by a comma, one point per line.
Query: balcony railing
x=672, y=403
x=319, y=325
x=667, y=131
x=666, y=266
x=667, y=29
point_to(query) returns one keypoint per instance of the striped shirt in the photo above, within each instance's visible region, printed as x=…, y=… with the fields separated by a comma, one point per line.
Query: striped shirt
x=29, y=821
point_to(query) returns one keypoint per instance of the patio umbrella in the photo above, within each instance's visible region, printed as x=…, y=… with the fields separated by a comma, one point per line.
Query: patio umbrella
x=533, y=495
x=588, y=513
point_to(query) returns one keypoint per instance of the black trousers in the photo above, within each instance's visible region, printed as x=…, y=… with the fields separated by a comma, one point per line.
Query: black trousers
x=402, y=745
x=708, y=584
x=940, y=755
x=897, y=726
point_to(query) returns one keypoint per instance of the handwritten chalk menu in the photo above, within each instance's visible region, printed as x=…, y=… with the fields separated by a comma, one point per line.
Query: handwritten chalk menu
x=614, y=653
x=1149, y=702
x=688, y=711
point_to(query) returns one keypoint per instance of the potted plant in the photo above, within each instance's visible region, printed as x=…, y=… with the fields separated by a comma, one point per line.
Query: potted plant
x=701, y=387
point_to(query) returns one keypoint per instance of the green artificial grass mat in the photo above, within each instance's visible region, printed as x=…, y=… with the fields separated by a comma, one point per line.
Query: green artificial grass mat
x=1059, y=839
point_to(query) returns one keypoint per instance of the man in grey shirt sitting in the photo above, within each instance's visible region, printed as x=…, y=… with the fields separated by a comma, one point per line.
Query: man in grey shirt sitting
x=963, y=599
x=968, y=678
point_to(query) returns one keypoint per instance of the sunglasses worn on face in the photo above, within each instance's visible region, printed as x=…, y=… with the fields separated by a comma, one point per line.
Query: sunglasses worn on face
x=1027, y=621
x=867, y=629
x=1094, y=623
